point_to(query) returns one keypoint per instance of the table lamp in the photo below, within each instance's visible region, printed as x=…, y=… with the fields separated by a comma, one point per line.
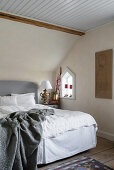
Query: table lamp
x=45, y=85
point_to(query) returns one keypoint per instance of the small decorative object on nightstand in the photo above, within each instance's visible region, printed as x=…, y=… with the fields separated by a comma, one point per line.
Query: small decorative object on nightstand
x=55, y=96
x=45, y=85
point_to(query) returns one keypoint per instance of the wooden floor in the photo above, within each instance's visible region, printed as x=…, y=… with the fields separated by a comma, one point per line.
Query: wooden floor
x=104, y=152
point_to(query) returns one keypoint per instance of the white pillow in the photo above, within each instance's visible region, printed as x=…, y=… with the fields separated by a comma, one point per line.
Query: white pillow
x=15, y=94
x=25, y=99
x=8, y=101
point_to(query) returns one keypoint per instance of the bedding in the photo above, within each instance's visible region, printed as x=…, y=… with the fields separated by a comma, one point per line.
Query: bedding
x=15, y=94
x=20, y=135
x=8, y=101
x=57, y=124
x=27, y=99
x=65, y=145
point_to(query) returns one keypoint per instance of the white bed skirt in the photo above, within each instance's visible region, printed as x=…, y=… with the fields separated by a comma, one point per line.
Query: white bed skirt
x=66, y=145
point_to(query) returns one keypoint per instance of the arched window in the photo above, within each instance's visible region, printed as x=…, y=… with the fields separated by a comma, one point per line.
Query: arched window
x=68, y=84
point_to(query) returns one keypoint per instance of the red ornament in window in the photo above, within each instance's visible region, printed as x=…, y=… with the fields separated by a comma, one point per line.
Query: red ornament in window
x=66, y=86
x=70, y=86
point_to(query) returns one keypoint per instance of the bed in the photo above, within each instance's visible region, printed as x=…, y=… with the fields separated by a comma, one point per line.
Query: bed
x=65, y=135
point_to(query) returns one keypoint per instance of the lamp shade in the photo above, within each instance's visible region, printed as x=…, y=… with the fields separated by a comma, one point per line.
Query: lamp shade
x=46, y=85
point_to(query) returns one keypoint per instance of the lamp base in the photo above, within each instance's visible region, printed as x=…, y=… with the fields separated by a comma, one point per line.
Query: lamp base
x=45, y=96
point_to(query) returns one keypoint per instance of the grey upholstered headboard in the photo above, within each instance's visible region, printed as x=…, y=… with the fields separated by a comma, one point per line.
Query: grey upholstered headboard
x=18, y=87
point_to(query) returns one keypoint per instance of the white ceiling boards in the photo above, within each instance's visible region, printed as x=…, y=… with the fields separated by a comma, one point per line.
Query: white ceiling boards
x=81, y=15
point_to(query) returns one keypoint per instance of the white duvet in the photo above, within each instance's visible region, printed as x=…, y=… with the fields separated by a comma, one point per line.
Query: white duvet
x=60, y=122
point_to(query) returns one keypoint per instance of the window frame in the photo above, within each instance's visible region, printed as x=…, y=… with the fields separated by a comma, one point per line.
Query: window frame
x=73, y=84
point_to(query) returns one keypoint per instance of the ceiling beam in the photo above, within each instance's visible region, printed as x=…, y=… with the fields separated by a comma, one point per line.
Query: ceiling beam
x=38, y=23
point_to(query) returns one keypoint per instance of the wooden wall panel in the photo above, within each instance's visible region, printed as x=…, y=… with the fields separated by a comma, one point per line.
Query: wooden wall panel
x=103, y=74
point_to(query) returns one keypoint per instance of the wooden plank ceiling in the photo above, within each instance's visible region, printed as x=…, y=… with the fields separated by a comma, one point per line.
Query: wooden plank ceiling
x=81, y=15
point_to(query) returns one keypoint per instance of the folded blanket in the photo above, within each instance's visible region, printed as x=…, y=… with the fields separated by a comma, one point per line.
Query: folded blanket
x=20, y=135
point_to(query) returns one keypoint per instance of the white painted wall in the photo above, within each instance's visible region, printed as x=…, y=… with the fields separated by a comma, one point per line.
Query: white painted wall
x=31, y=53
x=81, y=60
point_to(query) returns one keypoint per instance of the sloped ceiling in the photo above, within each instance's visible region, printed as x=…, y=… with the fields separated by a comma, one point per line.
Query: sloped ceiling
x=30, y=47
x=80, y=15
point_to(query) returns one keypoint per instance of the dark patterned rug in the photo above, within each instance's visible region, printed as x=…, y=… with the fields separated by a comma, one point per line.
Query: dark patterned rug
x=84, y=163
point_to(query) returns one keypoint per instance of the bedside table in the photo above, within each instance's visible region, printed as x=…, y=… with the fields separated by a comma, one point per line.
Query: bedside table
x=56, y=106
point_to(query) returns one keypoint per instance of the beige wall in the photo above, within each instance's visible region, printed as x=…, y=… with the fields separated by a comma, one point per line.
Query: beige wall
x=31, y=53
x=81, y=60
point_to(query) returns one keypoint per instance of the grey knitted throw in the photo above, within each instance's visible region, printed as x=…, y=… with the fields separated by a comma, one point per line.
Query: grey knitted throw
x=20, y=135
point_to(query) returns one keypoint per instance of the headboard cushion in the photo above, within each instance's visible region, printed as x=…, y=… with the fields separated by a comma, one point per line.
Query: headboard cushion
x=19, y=87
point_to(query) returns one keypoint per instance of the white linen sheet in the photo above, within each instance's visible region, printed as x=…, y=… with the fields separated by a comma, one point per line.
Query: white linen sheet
x=54, y=125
